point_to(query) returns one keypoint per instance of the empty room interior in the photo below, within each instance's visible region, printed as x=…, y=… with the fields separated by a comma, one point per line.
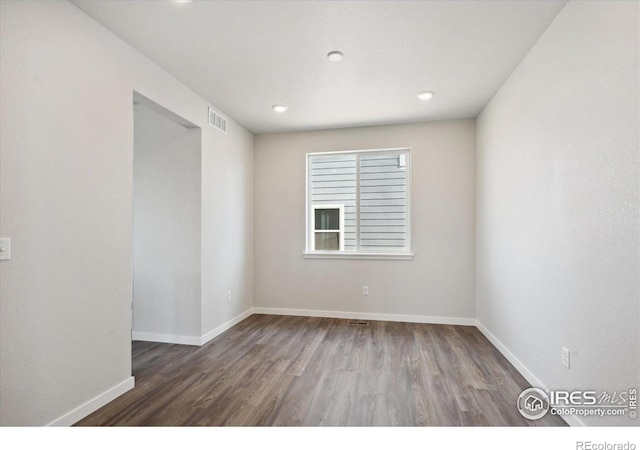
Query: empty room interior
x=320, y=213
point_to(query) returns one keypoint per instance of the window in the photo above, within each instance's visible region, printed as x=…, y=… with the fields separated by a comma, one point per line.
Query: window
x=328, y=222
x=358, y=204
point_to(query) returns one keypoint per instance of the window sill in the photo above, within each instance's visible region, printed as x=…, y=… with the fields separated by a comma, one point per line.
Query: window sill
x=360, y=255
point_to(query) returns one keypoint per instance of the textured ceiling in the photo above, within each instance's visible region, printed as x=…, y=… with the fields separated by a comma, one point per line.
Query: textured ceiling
x=243, y=57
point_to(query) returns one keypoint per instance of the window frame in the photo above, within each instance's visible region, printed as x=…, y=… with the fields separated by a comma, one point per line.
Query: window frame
x=397, y=253
x=340, y=230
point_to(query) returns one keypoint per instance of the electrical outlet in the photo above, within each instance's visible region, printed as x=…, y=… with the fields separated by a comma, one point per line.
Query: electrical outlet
x=365, y=290
x=228, y=296
x=566, y=357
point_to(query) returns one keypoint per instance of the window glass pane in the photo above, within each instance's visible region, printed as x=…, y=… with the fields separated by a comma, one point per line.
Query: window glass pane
x=327, y=219
x=333, y=182
x=327, y=241
x=383, y=201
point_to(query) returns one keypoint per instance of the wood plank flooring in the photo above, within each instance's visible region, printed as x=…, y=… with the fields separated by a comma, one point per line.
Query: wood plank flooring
x=303, y=371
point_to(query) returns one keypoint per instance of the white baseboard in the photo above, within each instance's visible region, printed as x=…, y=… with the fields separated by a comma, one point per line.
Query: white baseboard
x=165, y=338
x=94, y=404
x=225, y=326
x=365, y=316
x=524, y=370
x=190, y=340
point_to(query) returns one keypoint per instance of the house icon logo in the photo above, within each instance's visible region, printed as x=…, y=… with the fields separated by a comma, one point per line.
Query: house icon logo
x=533, y=403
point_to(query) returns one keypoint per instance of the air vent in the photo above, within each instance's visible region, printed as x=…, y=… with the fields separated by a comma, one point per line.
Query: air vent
x=362, y=323
x=217, y=121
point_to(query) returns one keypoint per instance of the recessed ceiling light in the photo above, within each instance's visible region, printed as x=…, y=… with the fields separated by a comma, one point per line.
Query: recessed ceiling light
x=279, y=108
x=335, y=56
x=183, y=1
x=425, y=95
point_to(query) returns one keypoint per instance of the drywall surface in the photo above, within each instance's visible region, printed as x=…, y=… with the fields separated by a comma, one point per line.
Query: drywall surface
x=66, y=147
x=438, y=282
x=166, y=226
x=557, y=204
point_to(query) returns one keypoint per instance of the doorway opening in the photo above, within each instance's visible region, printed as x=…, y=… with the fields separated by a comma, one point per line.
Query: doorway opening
x=166, y=225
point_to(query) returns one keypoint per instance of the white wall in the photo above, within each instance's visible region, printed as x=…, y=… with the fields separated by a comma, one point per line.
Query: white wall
x=66, y=147
x=557, y=203
x=227, y=226
x=166, y=228
x=439, y=282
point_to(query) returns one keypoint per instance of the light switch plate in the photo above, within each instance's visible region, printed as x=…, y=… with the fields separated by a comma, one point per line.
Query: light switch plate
x=5, y=249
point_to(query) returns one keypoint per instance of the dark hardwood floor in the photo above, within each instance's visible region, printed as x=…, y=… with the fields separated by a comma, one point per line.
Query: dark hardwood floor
x=302, y=371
